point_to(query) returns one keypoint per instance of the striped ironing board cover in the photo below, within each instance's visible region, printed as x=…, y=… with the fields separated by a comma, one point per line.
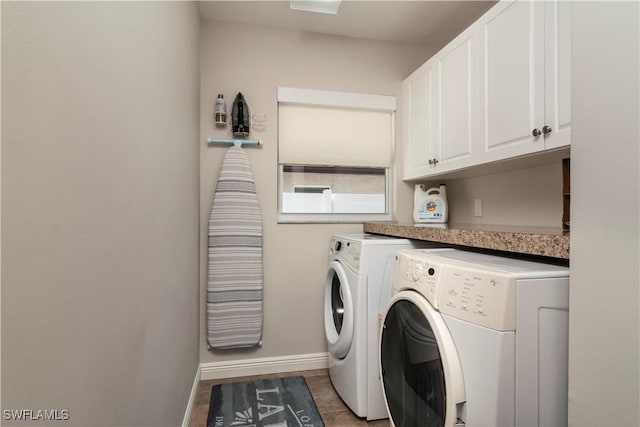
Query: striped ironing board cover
x=234, y=276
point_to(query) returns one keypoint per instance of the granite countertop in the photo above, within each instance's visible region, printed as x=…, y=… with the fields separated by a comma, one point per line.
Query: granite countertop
x=549, y=242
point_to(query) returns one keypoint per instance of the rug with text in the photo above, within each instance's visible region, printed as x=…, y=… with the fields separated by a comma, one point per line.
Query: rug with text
x=276, y=402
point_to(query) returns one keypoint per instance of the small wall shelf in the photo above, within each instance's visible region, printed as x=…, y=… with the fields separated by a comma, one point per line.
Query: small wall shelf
x=566, y=193
x=235, y=142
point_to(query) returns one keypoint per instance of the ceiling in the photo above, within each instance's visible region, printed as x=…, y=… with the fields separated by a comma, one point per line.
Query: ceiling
x=432, y=23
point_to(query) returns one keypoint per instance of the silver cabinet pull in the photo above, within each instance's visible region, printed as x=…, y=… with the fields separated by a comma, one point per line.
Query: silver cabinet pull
x=536, y=132
x=546, y=129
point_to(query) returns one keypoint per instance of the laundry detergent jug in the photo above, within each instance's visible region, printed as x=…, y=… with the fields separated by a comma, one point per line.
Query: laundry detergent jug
x=430, y=205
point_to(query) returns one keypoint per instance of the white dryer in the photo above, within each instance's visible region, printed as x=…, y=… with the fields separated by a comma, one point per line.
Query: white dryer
x=475, y=339
x=360, y=273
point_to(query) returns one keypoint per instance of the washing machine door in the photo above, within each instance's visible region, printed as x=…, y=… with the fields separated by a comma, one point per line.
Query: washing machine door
x=338, y=311
x=419, y=364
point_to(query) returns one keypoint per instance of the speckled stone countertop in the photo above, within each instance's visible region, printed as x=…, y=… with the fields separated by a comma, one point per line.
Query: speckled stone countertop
x=548, y=242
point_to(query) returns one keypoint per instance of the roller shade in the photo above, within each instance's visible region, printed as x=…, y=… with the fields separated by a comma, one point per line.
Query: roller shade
x=334, y=135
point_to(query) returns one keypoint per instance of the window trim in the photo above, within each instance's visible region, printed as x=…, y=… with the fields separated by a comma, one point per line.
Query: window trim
x=328, y=98
x=349, y=100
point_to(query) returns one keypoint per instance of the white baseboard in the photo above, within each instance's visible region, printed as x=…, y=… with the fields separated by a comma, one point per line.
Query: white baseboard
x=192, y=399
x=264, y=365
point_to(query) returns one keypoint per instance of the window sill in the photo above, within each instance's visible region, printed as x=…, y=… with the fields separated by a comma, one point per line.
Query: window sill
x=323, y=218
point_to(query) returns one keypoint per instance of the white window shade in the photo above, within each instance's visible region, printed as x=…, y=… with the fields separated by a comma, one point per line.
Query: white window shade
x=329, y=135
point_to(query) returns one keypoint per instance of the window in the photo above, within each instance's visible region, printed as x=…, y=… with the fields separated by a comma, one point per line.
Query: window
x=334, y=156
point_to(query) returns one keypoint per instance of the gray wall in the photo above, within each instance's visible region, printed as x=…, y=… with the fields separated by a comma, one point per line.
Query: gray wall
x=525, y=197
x=100, y=115
x=256, y=61
x=604, y=323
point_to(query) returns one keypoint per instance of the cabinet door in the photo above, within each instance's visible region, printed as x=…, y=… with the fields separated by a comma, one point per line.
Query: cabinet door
x=512, y=79
x=457, y=107
x=558, y=73
x=419, y=104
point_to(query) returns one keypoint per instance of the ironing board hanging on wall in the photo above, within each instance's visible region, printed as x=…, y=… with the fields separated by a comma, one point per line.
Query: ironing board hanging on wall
x=234, y=276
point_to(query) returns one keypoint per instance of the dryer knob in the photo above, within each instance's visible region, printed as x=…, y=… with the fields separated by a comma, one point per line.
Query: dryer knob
x=338, y=246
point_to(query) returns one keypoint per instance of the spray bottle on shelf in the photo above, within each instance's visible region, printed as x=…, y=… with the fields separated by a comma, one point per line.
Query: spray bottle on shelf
x=220, y=111
x=430, y=205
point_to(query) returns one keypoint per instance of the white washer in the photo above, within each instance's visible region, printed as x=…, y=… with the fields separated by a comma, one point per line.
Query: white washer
x=360, y=270
x=475, y=339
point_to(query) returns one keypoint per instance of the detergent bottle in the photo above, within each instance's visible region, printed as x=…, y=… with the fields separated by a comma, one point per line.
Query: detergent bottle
x=430, y=205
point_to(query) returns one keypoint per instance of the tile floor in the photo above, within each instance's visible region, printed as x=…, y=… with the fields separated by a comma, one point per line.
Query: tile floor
x=333, y=411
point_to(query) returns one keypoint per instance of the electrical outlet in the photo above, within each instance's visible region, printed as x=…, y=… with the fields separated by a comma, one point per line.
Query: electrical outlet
x=477, y=207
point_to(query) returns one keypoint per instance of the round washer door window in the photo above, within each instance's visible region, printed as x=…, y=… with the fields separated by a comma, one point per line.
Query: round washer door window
x=338, y=311
x=419, y=365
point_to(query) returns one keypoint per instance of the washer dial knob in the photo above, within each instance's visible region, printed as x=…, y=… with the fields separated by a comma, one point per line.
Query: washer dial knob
x=417, y=272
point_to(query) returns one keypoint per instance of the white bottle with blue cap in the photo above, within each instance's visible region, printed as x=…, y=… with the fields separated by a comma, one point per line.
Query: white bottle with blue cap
x=430, y=205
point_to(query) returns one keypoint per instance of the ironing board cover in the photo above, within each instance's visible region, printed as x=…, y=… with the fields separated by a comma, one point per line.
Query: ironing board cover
x=234, y=279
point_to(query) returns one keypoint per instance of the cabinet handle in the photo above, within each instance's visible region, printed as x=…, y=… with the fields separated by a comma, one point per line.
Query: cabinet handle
x=435, y=161
x=536, y=132
x=546, y=129
x=430, y=161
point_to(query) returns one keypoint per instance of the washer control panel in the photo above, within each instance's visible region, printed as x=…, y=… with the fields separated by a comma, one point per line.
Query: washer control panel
x=485, y=297
x=348, y=250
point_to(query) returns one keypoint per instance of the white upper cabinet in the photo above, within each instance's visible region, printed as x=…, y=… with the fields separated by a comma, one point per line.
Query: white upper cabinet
x=512, y=76
x=419, y=130
x=456, y=112
x=525, y=78
x=500, y=90
x=557, y=42
x=441, y=100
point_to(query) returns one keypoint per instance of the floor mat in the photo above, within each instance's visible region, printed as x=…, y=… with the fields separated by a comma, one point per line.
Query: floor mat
x=269, y=402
